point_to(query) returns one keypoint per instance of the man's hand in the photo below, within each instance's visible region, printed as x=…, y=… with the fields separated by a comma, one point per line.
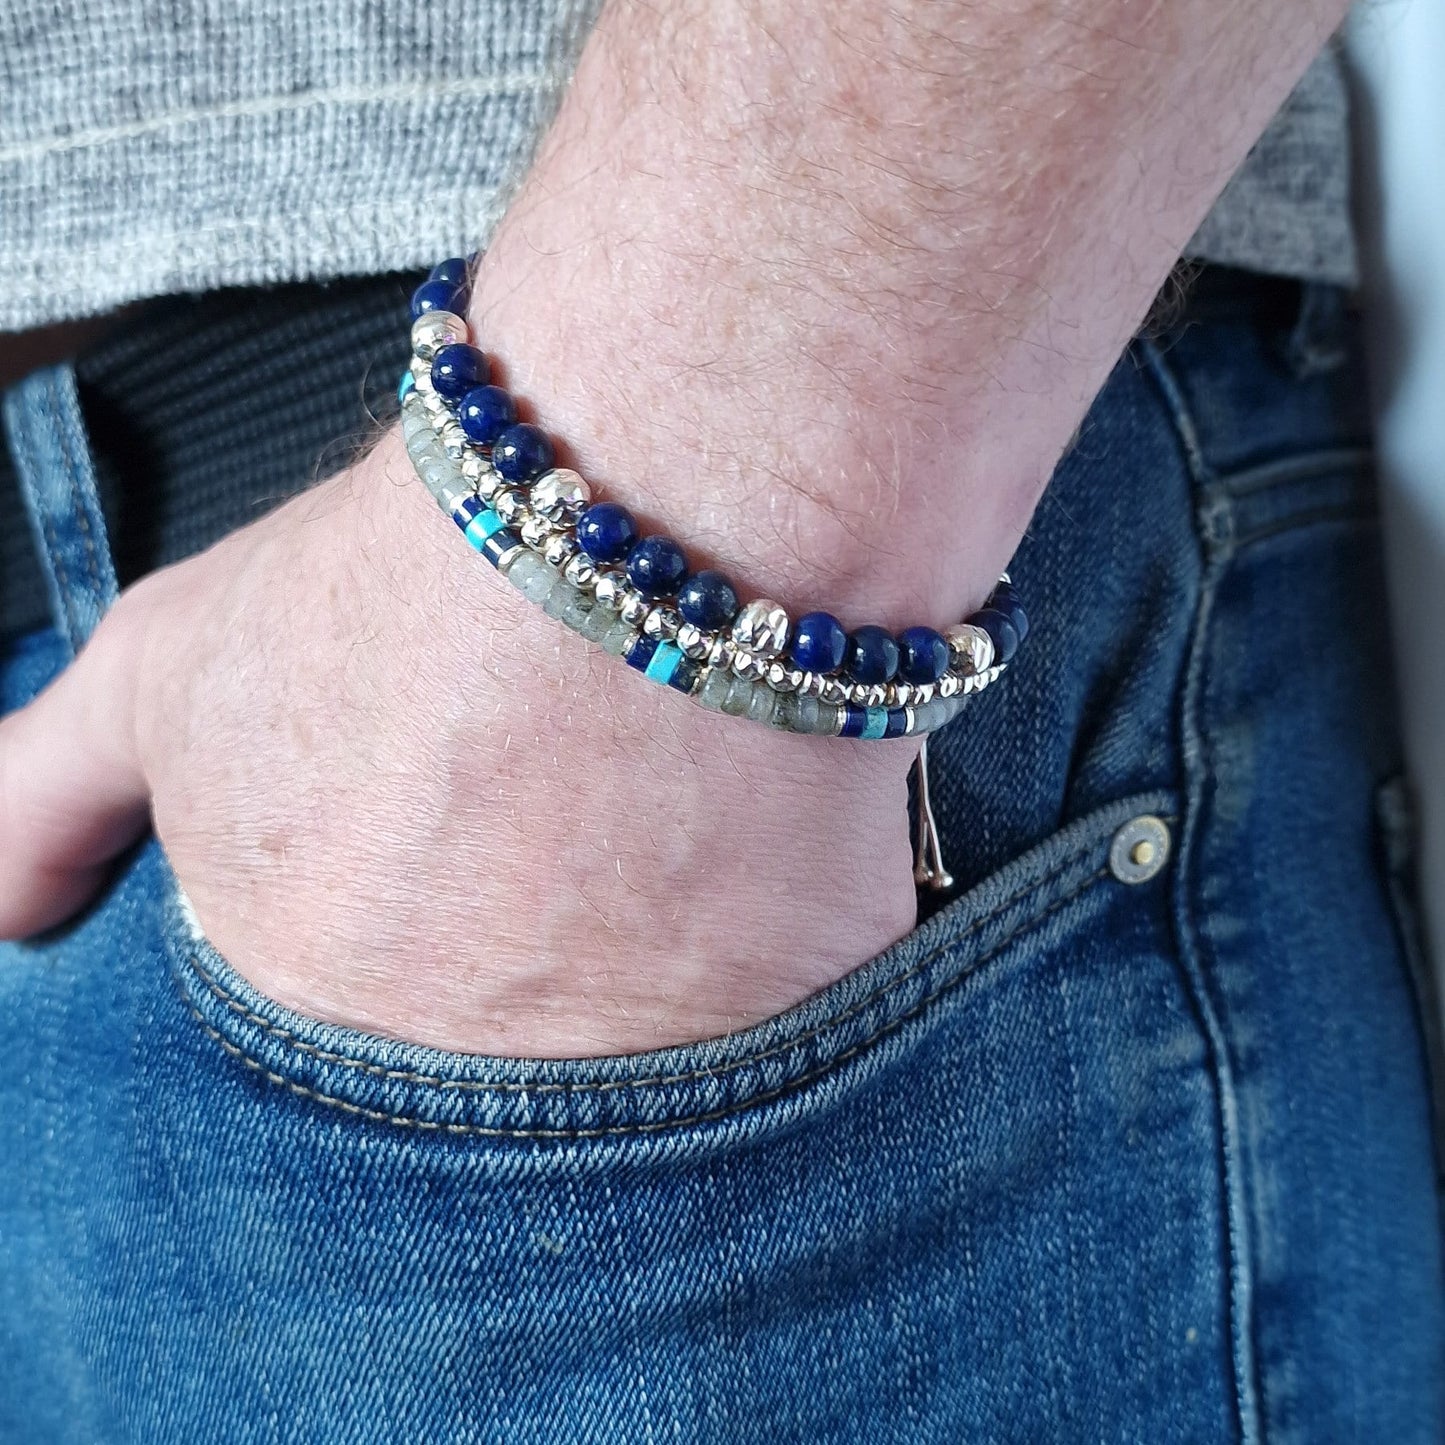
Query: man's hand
x=401, y=798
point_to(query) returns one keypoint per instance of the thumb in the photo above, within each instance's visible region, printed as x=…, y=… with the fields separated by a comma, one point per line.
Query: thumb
x=73, y=793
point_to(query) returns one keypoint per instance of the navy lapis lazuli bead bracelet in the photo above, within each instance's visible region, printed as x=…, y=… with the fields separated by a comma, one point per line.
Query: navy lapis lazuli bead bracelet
x=588, y=564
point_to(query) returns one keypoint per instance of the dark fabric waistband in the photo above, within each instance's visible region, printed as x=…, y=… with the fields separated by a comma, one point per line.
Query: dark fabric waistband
x=205, y=412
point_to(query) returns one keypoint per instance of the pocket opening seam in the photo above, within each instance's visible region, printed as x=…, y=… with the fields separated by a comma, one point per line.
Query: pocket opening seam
x=392, y=1075
x=440, y=1126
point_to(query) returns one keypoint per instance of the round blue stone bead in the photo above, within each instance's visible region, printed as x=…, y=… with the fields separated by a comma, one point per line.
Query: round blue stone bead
x=485, y=413
x=922, y=655
x=522, y=452
x=656, y=566
x=872, y=655
x=1020, y=620
x=457, y=368
x=435, y=296
x=1006, y=599
x=707, y=600
x=606, y=532
x=453, y=271
x=819, y=642
x=999, y=626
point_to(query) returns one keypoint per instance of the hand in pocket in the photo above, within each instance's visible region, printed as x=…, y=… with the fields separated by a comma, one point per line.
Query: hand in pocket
x=400, y=798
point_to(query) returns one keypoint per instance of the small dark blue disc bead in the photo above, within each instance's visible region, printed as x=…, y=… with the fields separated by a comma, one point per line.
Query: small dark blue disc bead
x=456, y=369
x=1000, y=628
x=502, y=541
x=453, y=271
x=922, y=655
x=485, y=413
x=897, y=725
x=819, y=642
x=707, y=600
x=684, y=675
x=656, y=566
x=639, y=654
x=522, y=452
x=872, y=655
x=606, y=532
x=435, y=296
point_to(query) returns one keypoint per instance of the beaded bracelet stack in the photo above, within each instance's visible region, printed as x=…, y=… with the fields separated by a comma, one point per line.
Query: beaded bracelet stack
x=587, y=564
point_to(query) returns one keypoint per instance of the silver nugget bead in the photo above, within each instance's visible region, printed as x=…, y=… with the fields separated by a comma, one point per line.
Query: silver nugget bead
x=694, y=642
x=475, y=466
x=833, y=690
x=436, y=329
x=535, y=531
x=559, y=549
x=580, y=571
x=661, y=622
x=509, y=506
x=949, y=685
x=560, y=491
x=454, y=440
x=971, y=648
x=633, y=607
x=745, y=664
x=778, y=675
x=720, y=652
x=762, y=628
x=609, y=588
x=421, y=383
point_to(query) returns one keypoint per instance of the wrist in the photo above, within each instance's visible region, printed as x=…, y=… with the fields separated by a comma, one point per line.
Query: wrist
x=845, y=496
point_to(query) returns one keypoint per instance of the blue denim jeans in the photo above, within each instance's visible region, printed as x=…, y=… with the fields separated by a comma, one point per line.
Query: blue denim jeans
x=1130, y=1140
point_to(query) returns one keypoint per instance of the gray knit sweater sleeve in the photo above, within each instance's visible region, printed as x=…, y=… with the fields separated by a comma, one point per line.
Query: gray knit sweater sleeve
x=156, y=146
x=1287, y=208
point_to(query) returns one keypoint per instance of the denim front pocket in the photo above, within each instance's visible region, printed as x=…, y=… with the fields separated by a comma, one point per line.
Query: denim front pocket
x=783, y=1070
x=970, y=1191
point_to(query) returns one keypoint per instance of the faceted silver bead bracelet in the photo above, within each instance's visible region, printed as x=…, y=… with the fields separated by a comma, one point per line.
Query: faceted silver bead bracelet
x=741, y=670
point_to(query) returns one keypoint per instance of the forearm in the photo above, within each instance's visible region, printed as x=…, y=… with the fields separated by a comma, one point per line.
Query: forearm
x=827, y=289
